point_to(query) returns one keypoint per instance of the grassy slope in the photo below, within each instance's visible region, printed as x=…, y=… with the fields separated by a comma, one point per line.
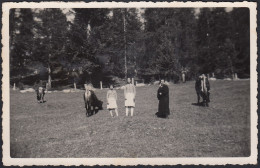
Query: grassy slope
x=59, y=127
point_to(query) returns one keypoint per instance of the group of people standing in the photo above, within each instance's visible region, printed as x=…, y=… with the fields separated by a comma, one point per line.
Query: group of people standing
x=129, y=95
x=202, y=87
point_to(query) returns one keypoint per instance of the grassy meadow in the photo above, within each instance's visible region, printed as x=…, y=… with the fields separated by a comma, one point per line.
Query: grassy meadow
x=60, y=128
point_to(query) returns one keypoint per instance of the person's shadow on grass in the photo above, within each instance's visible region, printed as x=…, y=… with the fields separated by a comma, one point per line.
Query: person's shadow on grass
x=197, y=104
x=94, y=112
x=161, y=116
x=44, y=101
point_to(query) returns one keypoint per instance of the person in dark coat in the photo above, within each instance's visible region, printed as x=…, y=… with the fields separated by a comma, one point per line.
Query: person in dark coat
x=163, y=97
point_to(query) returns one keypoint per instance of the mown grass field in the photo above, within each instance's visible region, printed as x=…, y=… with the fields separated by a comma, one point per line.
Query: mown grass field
x=60, y=128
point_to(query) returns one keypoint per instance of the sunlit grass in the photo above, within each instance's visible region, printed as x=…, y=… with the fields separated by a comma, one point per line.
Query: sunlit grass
x=60, y=128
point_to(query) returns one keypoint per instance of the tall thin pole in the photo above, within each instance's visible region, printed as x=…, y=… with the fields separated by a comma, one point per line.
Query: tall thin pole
x=135, y=66
x=49, y=58
x=124, y=19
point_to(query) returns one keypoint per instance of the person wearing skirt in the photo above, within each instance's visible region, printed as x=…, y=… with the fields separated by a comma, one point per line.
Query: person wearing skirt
x=129, y=93
x=111, y=101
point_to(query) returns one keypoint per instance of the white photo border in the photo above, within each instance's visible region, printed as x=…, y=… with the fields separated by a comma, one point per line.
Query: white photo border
x=8, y=161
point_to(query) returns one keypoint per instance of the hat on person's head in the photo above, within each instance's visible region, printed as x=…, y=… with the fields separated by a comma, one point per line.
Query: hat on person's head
x=162, y=80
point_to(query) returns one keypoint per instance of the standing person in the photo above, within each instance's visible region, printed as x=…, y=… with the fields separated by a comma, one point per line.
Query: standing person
x=198, y=88
x=183, y=75
x=205, y=87
x=111, y=101
x=129, y=93
x=163, y=97
x=40, y=91
x=202, y=88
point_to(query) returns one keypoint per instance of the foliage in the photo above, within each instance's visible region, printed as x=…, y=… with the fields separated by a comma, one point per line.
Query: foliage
x=21, y=38
x=170, y=41
x=221, y=41
x=102, y=43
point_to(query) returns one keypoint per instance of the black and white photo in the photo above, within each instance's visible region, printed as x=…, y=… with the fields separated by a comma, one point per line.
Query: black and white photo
x=129, y=83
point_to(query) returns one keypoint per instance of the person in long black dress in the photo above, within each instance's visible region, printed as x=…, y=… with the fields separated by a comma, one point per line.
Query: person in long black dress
x=163, y=97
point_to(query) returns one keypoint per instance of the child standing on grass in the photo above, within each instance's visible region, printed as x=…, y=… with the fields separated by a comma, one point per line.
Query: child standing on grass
x=111, y=101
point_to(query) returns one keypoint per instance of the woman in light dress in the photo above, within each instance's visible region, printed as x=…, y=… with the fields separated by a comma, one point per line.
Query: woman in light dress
x=129, y=93
x=111, y=101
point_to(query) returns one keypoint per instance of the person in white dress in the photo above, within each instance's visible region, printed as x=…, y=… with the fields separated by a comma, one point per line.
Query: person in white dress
x=129, y=93
x=111, y=101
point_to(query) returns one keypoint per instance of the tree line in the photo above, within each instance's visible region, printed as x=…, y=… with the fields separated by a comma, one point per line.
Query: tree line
x=100, y=44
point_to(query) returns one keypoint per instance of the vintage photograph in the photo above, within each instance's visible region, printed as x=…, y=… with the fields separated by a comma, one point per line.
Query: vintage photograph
x=130, y=82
